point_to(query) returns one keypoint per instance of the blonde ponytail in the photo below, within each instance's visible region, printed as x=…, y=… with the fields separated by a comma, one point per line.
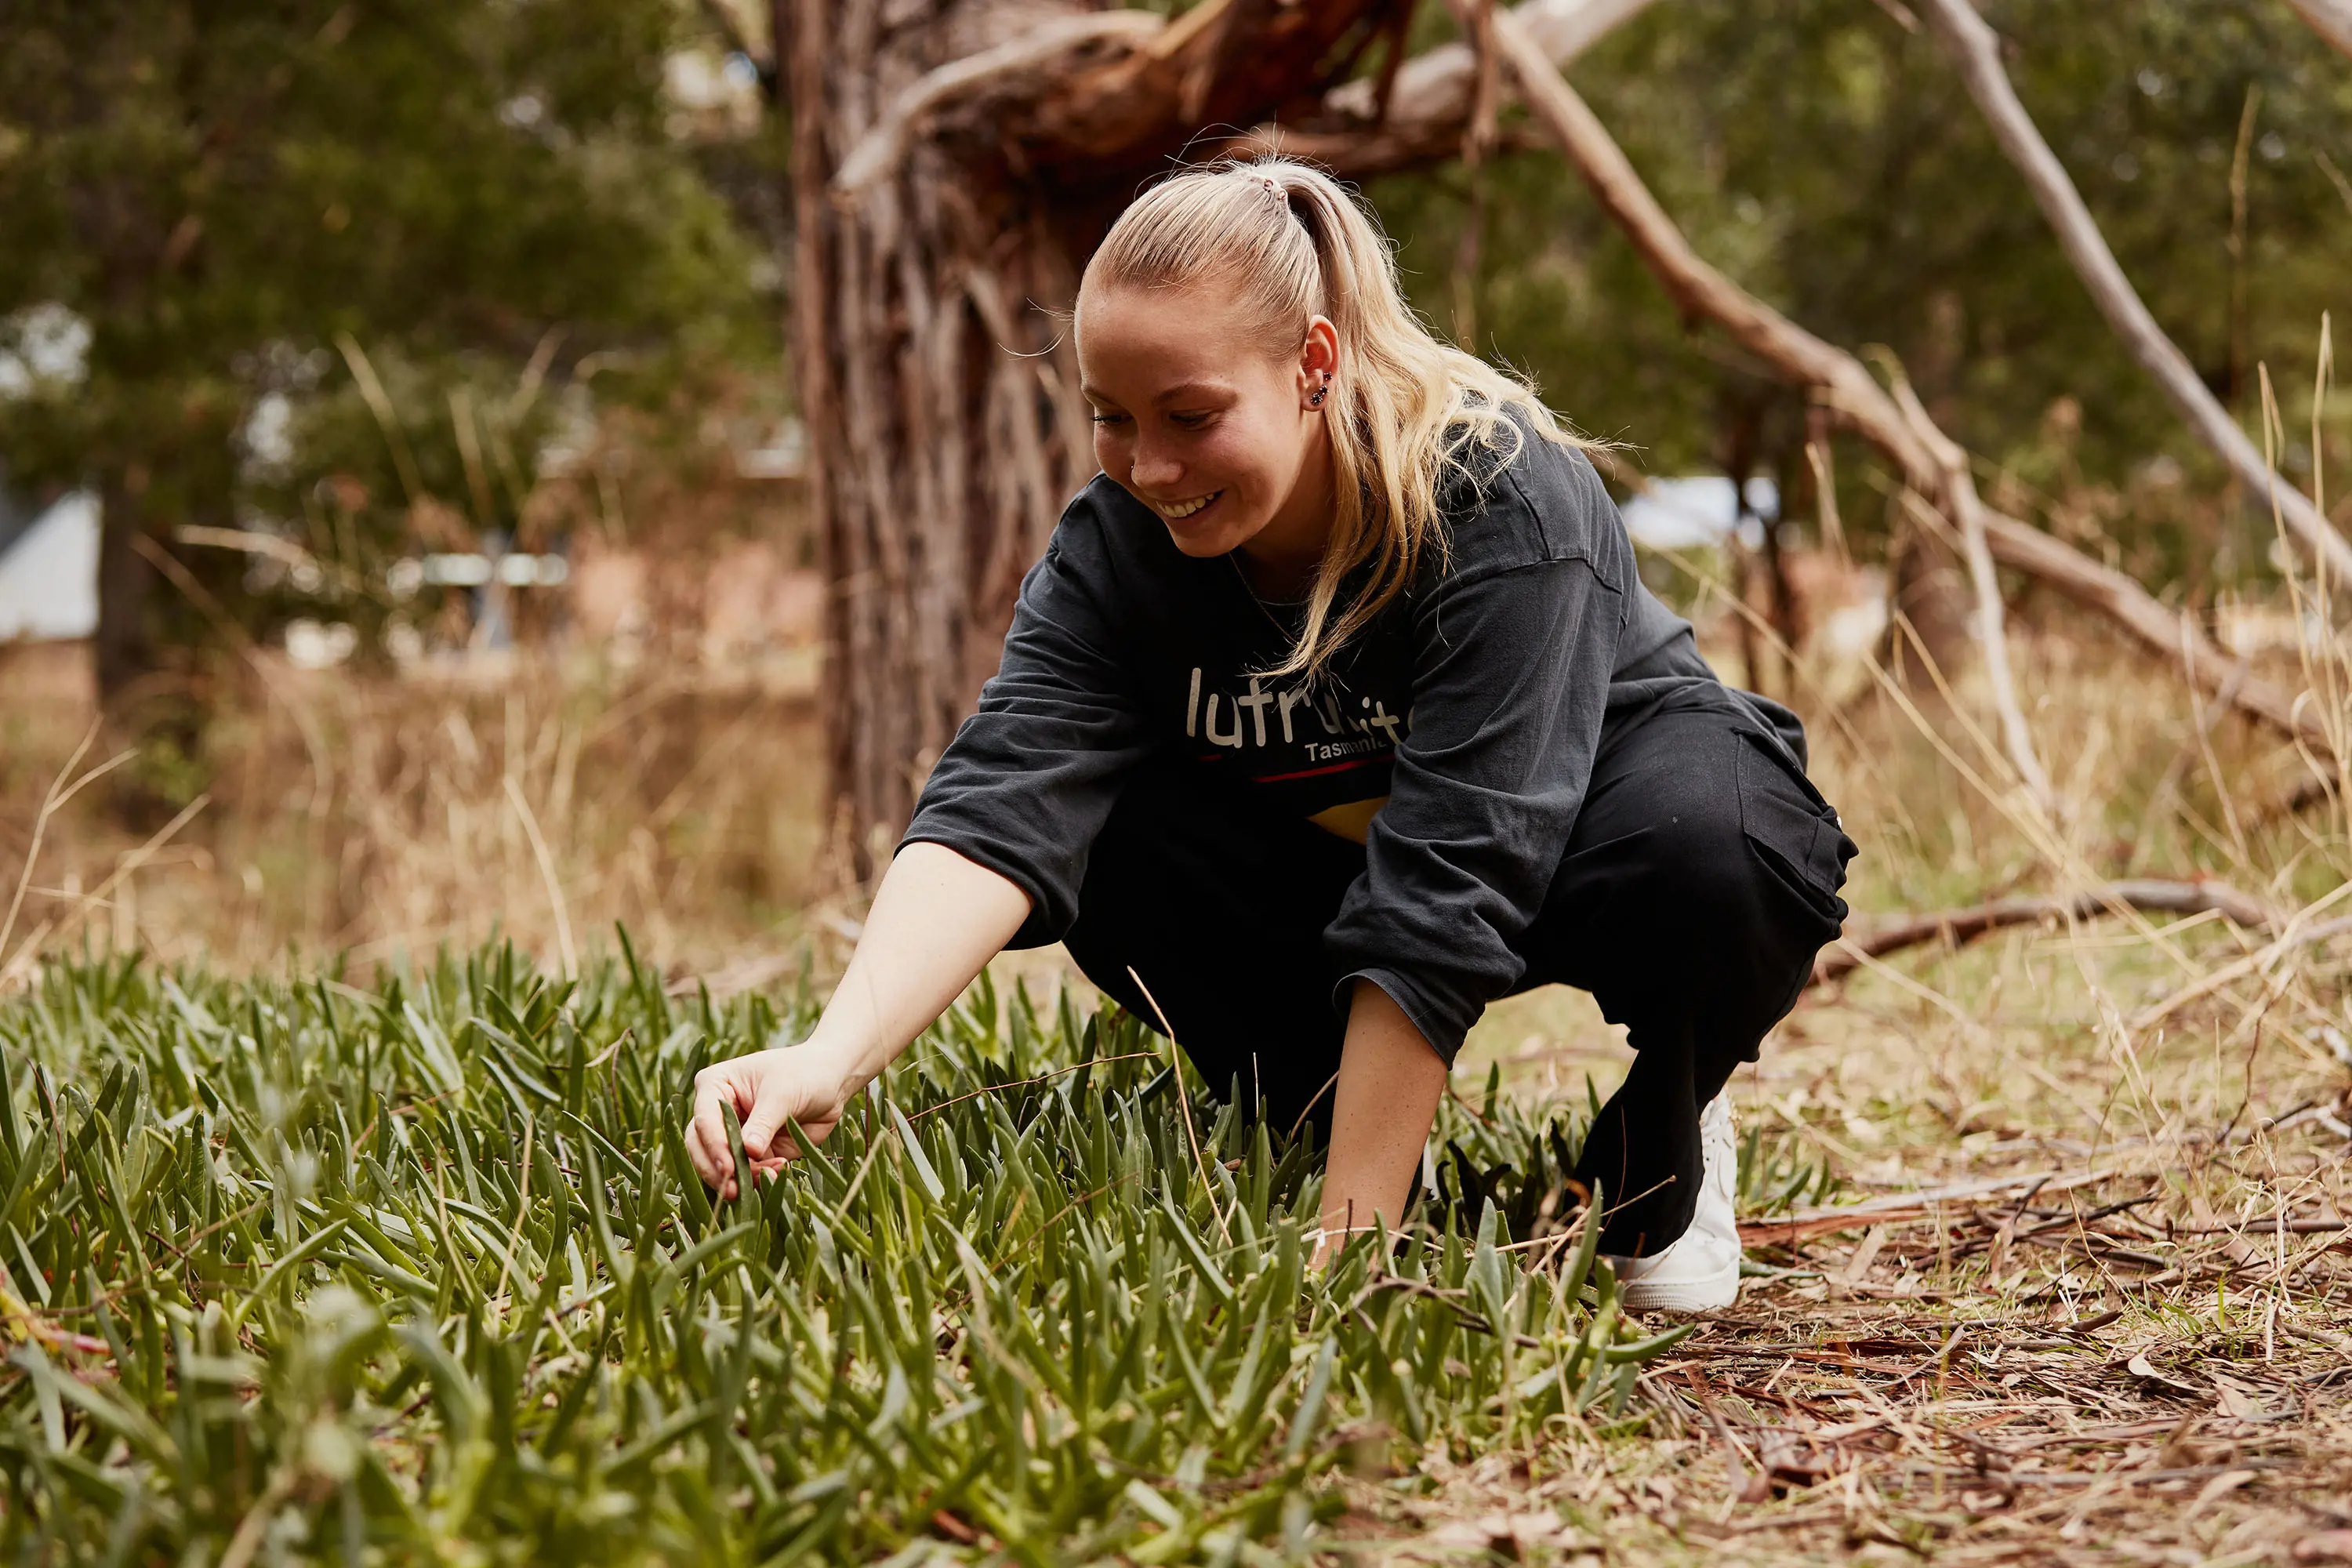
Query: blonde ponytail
x=1408, y=411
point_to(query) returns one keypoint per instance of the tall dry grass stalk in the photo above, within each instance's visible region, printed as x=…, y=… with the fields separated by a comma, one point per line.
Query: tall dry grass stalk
x=374, y=816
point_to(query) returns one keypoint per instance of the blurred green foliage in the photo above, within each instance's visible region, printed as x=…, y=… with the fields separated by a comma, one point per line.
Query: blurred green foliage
x=222, y=192
x=1830, y=159
x=493, y=203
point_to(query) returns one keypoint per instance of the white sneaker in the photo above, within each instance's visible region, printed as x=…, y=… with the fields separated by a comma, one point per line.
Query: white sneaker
x=1699, y=1270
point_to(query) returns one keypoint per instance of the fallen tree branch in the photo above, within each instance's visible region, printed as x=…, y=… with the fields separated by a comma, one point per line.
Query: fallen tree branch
x=1956, y=927
x=1934, y=463
x=2331, y=19
x=2163, y=631
x=2314, y=790
x=1848, y=390
x=1979, y=50
x=884, y=146
x=2290, y=940
x=1855, y=399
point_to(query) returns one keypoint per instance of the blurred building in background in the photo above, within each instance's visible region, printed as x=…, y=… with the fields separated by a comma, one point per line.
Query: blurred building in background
x=49, y=568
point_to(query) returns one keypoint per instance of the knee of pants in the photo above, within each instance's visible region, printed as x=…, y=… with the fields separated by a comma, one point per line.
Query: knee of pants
x=1728, y=877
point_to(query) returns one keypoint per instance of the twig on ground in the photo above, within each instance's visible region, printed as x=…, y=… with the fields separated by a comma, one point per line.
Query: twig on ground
x=1959, y=927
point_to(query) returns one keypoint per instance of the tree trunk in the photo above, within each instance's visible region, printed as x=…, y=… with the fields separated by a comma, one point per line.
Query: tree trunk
x=939, y=460
x=1931, y=591
x=939, y=391
x=122, y=652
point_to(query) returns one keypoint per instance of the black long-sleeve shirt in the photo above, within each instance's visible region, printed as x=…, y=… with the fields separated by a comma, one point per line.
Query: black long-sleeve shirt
x=1454, y=737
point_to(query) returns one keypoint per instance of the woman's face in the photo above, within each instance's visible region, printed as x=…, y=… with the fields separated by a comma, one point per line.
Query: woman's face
x=1192, y=415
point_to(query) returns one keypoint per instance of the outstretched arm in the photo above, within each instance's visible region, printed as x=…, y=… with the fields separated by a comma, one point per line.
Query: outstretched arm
x=937, y=918
x=1390, y=1081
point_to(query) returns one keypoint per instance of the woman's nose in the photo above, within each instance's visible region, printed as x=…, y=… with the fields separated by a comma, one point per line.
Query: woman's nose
x=1154, y=468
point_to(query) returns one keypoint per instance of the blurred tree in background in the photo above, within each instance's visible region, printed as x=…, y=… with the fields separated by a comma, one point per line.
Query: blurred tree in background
x=347, y=271
x=248, y=202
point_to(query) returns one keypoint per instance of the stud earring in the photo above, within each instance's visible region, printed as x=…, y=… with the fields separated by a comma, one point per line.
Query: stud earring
x=1317, y=400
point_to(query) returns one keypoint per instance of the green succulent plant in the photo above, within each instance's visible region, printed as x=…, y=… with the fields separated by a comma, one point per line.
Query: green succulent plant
x=298, y=1272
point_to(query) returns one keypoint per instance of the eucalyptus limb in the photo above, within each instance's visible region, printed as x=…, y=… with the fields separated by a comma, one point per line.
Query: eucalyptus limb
x=2331, y=19
x=1978, y=49
x=1931, y=461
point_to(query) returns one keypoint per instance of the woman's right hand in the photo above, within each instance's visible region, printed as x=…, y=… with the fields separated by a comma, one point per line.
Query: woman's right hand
x=802, y=1082
x=935, y=920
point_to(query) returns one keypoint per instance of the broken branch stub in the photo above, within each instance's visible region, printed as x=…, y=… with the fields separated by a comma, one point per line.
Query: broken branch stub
x=1007, y=67
x=1357, y=134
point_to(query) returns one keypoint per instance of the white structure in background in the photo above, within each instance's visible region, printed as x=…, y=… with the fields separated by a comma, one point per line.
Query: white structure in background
x=48, y=562
x=319, y=645
x=1703, y=510
x=48, y=574
x=782, y=456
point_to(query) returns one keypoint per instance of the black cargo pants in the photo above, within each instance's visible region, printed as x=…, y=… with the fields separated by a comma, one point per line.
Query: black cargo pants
x=1700, y=880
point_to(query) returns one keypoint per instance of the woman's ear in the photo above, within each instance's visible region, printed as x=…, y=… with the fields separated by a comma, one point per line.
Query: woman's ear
x=1318, y=362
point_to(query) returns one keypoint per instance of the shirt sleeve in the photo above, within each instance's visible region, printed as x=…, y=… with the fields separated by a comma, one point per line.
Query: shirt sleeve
x=1512, y=671
x=1030, y=778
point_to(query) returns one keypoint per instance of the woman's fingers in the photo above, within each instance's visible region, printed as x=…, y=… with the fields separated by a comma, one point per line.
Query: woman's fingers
x=706, y=1141
x=772, y=1104
x=773, y=1094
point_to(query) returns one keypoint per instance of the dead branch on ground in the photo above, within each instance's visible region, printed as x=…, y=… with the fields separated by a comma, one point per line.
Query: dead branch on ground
x=1956, y=927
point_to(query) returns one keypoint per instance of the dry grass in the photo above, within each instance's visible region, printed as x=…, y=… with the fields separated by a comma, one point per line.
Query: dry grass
x=2122, y=1334
x=371, y=816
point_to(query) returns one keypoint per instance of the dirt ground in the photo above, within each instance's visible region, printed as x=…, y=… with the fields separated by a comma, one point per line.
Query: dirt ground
x=2060, y=1313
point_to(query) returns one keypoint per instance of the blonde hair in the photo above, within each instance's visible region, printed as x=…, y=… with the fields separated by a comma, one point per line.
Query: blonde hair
x=1407, y=410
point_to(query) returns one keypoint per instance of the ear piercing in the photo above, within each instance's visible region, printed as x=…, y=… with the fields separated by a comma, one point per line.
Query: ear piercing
x=1316, y=401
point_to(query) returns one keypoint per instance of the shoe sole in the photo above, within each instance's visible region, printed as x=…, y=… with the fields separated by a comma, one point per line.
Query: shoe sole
x=1694, y=1296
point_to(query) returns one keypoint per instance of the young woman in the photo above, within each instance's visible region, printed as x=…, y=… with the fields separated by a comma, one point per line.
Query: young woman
x=1335, y=710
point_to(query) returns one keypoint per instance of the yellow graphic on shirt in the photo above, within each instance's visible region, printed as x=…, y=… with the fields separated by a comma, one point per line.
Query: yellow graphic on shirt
x=1351, y=820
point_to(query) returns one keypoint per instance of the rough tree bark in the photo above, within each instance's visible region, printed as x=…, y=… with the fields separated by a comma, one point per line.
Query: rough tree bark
x=123, y=650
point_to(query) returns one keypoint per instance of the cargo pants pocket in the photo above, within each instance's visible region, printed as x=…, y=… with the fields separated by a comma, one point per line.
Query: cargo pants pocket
x=1792, y=829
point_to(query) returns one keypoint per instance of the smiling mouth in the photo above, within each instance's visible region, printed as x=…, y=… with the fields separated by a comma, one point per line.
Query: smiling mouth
x=1177, y=512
